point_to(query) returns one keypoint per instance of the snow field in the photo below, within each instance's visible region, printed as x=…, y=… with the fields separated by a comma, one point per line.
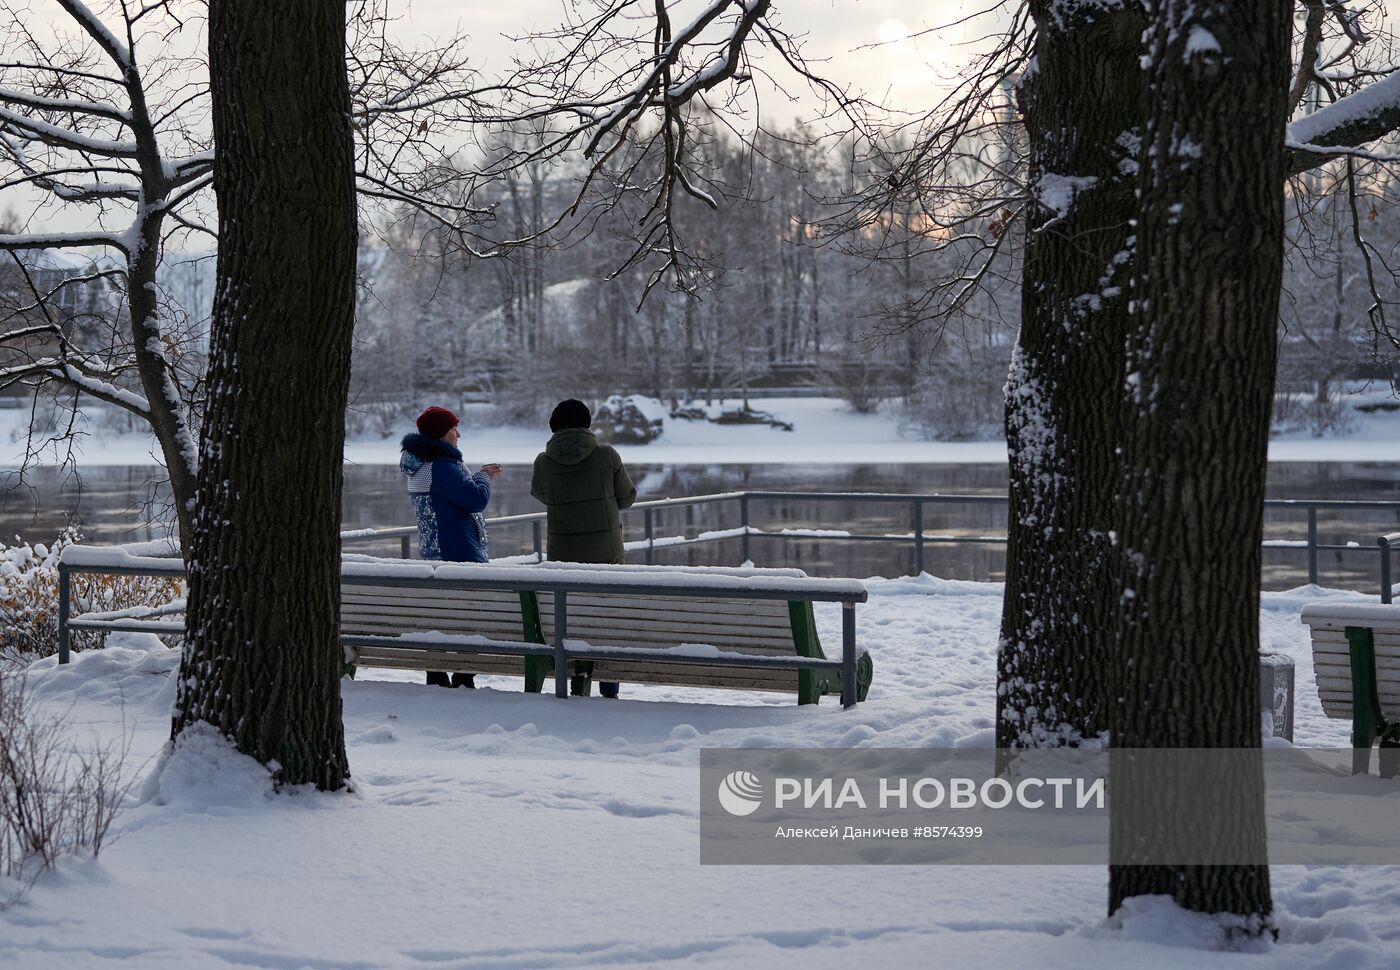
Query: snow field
x=495, y=829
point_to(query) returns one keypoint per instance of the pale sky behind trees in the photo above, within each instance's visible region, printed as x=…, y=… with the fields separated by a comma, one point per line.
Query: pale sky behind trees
x=867, y=44
x=906, y=67
x=901, y=53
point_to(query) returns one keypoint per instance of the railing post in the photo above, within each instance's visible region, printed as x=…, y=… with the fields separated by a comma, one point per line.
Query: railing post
x=1384, y=543
x=744, y=524
x=539, y=549
x=918, y=537
x=651, y=539
x=404, y=548
x=1312, y=544
x=63, y=590
x=848, y=655
x=690, y=531
x=561, y=629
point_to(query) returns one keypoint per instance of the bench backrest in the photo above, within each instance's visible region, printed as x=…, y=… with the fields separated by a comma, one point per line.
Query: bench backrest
x=1332, y=653
x=391, y=610
x=622, y=620
x=727, y=622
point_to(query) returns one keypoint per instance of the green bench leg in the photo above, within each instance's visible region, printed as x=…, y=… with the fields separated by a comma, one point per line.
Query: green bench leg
x=536, y=673
x=1367, y=722
x=536, y=668
x=811, y=684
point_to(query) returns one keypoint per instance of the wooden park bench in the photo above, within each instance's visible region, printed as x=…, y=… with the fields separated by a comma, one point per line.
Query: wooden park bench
x=1356, y=659
x=743, y=629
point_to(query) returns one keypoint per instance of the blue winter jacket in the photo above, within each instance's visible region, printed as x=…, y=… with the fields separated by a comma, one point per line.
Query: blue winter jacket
x=447, y=501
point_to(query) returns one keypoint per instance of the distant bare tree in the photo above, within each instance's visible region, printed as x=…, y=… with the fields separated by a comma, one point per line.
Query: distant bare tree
x=110, y=122
x=632, y=91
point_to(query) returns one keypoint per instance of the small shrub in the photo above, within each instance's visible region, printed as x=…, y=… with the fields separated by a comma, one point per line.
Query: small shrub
x=29, y=598
x=1295, y=413
x=961, y=398
x=378, y=418
x=54, y=801
x=857, y=381
x=525, y=394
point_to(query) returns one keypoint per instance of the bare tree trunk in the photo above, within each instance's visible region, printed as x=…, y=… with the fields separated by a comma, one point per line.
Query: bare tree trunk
x=689, y=324
x=263, y=661
x=168, y=416
x=1339, y=296
x=1201, y=359
x=1081, y=110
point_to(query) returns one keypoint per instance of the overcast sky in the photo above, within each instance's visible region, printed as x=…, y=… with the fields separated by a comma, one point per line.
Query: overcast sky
x=836, y=38
x=907, y=69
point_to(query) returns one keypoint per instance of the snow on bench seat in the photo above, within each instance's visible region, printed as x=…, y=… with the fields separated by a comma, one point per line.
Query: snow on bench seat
x=1328, y=620
x=1356, y=659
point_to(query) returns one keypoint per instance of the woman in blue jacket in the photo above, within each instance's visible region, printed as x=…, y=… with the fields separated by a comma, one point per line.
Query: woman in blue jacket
x=448, y=500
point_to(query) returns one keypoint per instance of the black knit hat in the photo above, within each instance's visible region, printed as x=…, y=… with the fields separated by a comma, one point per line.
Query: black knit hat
x=570, y=414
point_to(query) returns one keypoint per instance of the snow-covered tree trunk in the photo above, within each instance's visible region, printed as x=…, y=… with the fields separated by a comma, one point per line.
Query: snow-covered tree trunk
x=262, y=659
x=1198, y=390
x=168, y=411
x=1080, y=101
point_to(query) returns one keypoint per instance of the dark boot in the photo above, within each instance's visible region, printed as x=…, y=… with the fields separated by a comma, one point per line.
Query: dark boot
x=438, y=678
x=464, y=680
x=608, y=689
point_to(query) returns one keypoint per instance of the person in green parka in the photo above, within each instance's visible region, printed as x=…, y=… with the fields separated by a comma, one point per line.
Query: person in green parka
x=584, y=486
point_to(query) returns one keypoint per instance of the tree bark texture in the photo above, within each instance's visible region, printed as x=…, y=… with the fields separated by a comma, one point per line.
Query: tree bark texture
x=1197, y=395
x=262, y=660
x=1081, y=103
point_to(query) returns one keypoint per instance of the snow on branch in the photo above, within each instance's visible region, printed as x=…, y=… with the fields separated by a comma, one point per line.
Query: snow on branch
x=18, y=242
x=657, y=86
x=104, y=391
x=97, y=30
x=54, y=369
x=75, y=105
x=36, y=130
x=1356, y=120
x=191, y=167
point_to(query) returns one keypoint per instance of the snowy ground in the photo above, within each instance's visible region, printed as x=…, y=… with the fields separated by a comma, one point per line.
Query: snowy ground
x=818, y=423
x=497, y=829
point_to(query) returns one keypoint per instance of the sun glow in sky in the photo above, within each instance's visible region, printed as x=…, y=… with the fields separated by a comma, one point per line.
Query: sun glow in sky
x=892, y=32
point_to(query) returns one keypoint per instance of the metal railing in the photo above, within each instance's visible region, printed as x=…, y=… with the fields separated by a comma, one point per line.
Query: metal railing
x=1384, y=543
x=918, y=536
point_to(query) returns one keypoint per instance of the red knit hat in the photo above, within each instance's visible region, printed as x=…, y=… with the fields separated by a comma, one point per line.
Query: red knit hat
x=436, y=422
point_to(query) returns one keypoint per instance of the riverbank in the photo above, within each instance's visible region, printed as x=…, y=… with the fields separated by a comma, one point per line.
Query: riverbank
x=825, y=431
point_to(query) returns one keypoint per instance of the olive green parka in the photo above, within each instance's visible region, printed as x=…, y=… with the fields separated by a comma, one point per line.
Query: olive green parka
x=583, y=485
